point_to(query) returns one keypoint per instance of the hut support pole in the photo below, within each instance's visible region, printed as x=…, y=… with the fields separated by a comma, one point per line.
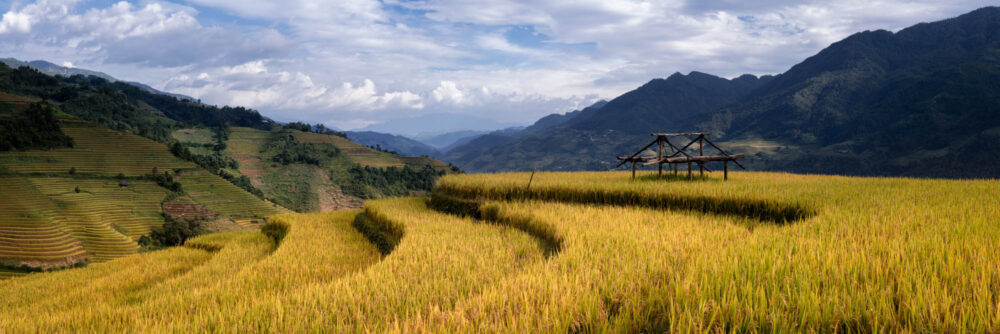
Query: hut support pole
x=633, y=169
x=701, y=152
x=659, y=156
x=725, y=170
x=689, y=171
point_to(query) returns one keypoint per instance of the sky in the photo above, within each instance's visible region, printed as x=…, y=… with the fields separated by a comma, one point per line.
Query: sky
x=355, y=63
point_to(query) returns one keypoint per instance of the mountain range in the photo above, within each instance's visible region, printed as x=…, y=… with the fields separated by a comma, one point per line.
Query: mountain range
x=923, y=101
x=53, y=69
x=430, y=125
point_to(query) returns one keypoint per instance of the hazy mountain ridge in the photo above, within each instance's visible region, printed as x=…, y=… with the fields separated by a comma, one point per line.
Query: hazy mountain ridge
x=446, y=141
x=479, y=145
x=435, y=124
x=585, y=141
x=391, y=142
x=875, y=103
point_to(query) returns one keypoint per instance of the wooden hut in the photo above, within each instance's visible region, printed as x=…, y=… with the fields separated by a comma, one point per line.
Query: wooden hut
x=668, y=153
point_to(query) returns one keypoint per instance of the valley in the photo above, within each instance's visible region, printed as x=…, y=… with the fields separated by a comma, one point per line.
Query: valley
x=869, y=205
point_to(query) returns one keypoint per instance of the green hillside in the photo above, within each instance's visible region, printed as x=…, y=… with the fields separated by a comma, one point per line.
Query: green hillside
x=303, y=171
x=308, y=174
x=66, y=206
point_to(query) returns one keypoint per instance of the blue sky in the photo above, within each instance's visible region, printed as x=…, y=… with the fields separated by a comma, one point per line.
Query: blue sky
x=354, y=63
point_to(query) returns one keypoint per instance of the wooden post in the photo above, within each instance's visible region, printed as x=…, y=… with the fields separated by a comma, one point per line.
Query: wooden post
x=725, y=170
x=689, y=170
x=532, y=178
x=633, y=169
x=675, y=169
x=701, y=152
x=659, y=157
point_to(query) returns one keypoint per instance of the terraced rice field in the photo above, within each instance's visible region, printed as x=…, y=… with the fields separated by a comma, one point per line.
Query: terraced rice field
x=580, y=252
x=97, y=150
x=364, y=156
x=48, y=223
x=45, y=222
x=245, y=145
x=27, y=235
x=131, y=211
x=220, y=196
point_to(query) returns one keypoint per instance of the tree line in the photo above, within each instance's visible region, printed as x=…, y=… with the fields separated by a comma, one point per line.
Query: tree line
x=370, y=182
x=35, y=128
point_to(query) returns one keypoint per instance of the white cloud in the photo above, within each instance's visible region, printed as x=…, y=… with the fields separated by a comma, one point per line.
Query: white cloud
x=253, y=84
x=351, y=63
x=155, y=34
x=15, y=22
x=449, y=93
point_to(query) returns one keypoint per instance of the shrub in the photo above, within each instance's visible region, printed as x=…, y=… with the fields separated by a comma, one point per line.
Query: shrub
x=174, y=233
x=275, y=230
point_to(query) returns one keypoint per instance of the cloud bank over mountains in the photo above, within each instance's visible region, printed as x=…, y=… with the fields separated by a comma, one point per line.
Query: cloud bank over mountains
x=353, y=63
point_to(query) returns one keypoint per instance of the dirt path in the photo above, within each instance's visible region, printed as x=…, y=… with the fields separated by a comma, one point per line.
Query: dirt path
x=331, y=198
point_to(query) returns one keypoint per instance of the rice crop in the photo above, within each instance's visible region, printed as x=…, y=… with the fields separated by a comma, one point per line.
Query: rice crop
x=572, y=252
x=871, y=254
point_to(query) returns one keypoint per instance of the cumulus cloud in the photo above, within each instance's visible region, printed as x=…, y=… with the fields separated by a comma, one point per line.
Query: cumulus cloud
x=15, y=23
x=353, y=63
x=448, y=93
x=156, y=34
x=254, y=84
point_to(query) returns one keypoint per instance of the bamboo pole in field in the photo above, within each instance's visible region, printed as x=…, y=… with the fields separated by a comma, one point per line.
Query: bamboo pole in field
x=533, y=178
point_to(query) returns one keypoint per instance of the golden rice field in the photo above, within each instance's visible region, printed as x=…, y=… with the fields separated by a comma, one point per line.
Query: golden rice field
x=575, y=252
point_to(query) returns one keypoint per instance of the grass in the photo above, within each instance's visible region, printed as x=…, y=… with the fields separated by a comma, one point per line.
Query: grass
x=194, y=136
x=575, y=252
